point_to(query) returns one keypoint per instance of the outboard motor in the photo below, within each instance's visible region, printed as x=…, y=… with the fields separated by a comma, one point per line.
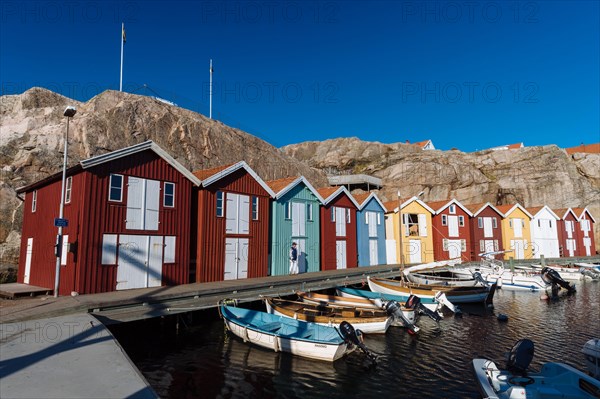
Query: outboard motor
x=351, y=336
x=479, y=278
x=393, y=309
x=551, y=276
x=519, y=359
x=414, y=301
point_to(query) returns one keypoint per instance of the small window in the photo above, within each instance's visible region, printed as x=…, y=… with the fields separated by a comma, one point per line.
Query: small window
x=69, y=185
x=254, y=208
x=116, y=188
x=367, y=217
x=347, y=215
x=333, y=213
x=220, y=204
x=550, y=223
x=169, y=195
x=523, y=223
x=34, y=201
x=510, y=223
x=452, y=209
x=480, y=223
x=444, y=220
x=461, y=221
x=495, y=223
x=539, y=223
x=378, y=218
x=309, y=211
x=287, y=208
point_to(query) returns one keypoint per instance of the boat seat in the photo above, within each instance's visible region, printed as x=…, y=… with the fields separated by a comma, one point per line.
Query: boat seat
x=271, y=327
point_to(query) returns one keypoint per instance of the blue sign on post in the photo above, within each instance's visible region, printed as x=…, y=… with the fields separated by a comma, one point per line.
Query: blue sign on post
x=58, y=222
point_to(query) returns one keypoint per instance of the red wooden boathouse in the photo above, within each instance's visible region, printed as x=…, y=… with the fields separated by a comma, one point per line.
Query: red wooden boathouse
x=486, y=230
x=586, y=231
x=338, y=229
x=569, y=239
x=233, y=224
x=128, y=215
x=451, y=230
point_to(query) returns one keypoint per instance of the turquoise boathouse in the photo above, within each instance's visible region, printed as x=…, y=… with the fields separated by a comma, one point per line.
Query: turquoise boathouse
x=294, y=218
x=370, y=230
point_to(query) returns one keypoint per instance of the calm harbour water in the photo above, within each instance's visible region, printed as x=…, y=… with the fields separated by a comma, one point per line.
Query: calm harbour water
x=202, y=361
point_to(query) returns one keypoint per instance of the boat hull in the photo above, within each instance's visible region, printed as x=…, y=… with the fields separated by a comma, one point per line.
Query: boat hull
x=429, y=302
x=555, y=380
x=393, y=287
x=295, y=337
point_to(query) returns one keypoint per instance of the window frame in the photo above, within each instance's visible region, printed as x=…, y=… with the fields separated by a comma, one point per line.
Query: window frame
x=461, y=221
x=287, y=210
x=444, y=220
x=110, y=187
x=255, y=204
x=452, y=209
x=309, y=212
x=332, y=217
x=494, y=223
x=348, y=216
x=165, y=194
x=34, y=196
x=220, y=199
x=68, y=189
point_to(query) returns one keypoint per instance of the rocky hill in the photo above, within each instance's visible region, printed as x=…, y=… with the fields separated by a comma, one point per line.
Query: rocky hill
x=32, y=128
x=531, y=175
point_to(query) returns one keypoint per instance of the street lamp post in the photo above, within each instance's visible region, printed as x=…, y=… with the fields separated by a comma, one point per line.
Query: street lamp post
x=69, y=113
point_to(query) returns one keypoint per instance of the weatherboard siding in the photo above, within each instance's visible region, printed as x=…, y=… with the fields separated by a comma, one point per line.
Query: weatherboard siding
x=91, y=215
x=210, y=246
x=281, y=232
x=363, y=239
x=477, y=233
x=328, y=234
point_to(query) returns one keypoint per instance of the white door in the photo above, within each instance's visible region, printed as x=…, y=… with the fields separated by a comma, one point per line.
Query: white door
x=236, y=258
x=487, y=228
x=518, y=228
x=414, y=249
x=340, y=222
x=454, y=249
x=422, y=225
x=587, y=243
x=143, y=201
x=132, y=262
x=453, y=226
x=298, y=219
x=340, y=254
x=489, y=245
x=571, y=247
x=518, y=247
x=390, y=252
x=301, y=248
x=28, y=255
x=237, y=215
x=373, y=253
x=155, y=258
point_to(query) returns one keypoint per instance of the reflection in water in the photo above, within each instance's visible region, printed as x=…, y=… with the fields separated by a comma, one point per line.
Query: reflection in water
x=206, y=362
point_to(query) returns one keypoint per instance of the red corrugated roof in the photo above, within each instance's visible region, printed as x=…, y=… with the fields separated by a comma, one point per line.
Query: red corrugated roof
x=586, y=148
x=325, y=192
x=435, y=205
x=514, y=146
x=206, y=173
x=475, y=207
x=535, y=209
x=360, y=198
x=280, y=184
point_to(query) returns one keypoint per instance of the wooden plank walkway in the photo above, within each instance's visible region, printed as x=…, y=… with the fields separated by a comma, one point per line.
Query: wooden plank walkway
x=13, y=290
x=129, y=305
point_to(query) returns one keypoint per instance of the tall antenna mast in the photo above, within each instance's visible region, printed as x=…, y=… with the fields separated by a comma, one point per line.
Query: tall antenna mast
x=210, y=91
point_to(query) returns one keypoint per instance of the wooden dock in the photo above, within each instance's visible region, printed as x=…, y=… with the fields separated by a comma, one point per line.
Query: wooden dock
x=129, y=305
x=14, y=290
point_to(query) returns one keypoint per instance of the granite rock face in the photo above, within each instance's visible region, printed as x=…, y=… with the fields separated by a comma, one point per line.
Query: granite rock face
x=32, y=128
x=532, y=176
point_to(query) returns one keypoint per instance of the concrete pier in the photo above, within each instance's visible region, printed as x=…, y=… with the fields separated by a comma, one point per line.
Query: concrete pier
x=71, y=356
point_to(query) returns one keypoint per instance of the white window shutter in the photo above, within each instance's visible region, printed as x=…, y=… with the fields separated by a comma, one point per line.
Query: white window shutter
x=445, y=244
x=231, y=213
x=422, y=225
x=135, y=203
x=463, y=245
x=244, y=214
x=109, y=249
x=170, y=249
x=152, y=205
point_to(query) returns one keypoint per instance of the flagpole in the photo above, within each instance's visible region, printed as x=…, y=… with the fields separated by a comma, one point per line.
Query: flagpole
x=122, y=40
x=210, y=92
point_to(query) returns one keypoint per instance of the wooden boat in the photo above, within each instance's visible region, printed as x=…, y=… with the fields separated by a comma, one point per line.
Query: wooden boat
x=441, y=273
x=364, y=303
x=283, y=334
x=367, y=320
x=347, y=292
x=554, y=380
x=453, y=294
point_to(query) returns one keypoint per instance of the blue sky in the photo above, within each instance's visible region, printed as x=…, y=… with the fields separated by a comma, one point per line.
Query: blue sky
x=467, y=75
